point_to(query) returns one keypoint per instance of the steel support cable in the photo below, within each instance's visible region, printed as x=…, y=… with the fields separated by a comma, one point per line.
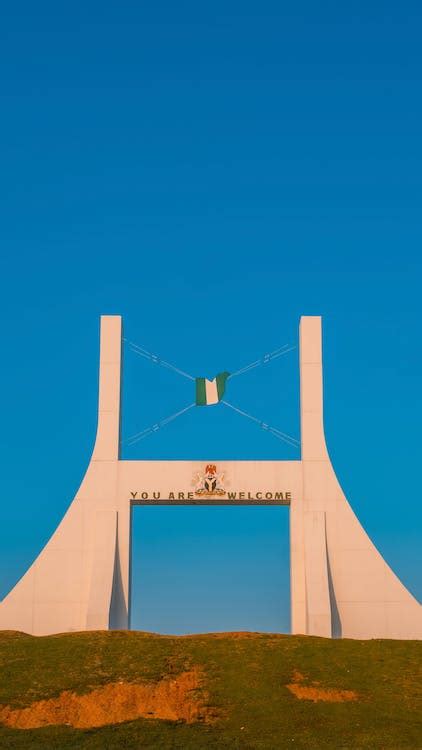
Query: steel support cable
x=273, y=430
x=264, y=360
x=155, y=427
x=156, y=359
x=142, y=352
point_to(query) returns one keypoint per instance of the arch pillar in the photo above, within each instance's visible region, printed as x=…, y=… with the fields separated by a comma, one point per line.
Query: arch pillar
x=340, y=584
x=73, y=584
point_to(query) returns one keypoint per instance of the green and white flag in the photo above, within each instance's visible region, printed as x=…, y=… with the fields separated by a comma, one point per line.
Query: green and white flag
x=210, y=391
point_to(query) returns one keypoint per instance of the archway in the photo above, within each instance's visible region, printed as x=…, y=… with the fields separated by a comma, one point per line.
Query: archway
x=340, y=584
x=207, y=569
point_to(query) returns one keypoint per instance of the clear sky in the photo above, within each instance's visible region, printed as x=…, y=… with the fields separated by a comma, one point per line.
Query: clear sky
x=211, y=172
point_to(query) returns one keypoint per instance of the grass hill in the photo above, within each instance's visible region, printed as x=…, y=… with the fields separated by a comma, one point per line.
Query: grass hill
x=119, y=690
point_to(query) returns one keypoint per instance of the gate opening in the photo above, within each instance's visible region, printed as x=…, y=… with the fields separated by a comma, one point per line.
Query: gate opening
x=199, y=569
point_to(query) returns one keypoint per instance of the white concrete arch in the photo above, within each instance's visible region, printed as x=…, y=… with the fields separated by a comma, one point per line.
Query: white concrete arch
x=340, y=584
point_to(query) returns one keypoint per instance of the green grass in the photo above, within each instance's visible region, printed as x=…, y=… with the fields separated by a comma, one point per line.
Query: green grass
x=246, y=680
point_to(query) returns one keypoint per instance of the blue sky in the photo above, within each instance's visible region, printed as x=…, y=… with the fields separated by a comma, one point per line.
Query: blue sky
x=211, y=173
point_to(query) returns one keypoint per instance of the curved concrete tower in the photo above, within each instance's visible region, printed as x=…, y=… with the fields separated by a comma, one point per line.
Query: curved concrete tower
x=340, y=584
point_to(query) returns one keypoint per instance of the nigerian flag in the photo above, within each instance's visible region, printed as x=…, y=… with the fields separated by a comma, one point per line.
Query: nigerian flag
x=210, y=391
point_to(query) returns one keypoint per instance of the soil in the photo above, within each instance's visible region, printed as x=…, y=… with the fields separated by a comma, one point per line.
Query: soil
x=180, y=698
x=314, y=692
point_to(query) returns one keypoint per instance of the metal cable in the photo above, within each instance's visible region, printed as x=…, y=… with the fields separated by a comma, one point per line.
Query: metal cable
x=155, y=427
x=264, y=360
x=156, y=359
x=273, y=430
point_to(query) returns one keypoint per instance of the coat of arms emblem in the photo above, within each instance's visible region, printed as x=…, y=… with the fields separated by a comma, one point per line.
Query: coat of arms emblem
x=210, y=483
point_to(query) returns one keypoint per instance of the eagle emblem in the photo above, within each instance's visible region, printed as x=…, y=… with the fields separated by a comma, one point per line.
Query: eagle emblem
x=210, y=483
